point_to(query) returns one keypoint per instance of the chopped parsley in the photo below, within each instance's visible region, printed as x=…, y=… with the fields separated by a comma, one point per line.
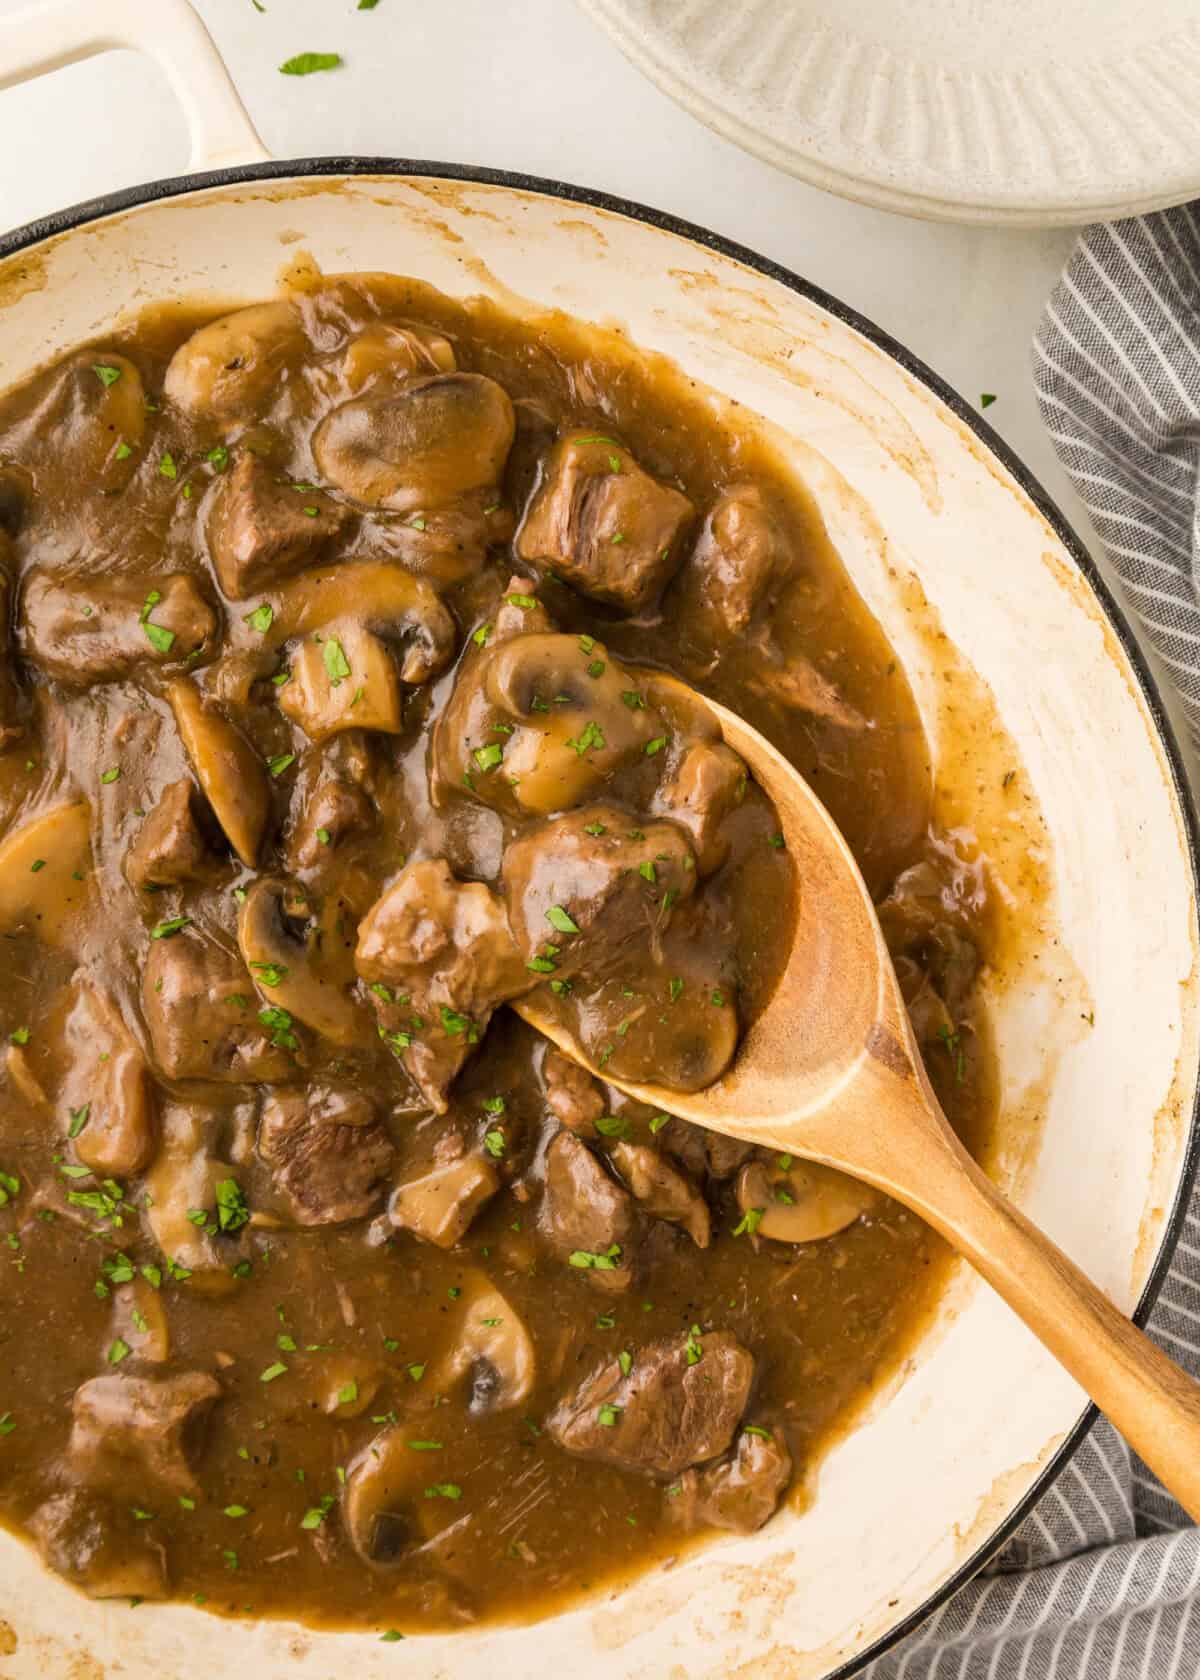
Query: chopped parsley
x=585, y=1261
x=607, y=1415
x=107, y=376
x=749, y=1222
x=79, y=1119
x=269, y=974
x=261, y=618
x=218, y=457
x=232, y=1209
x=488, y=757
x=166, y=930
x=19, y=1035
x=987, y=398
x=443, y=1490
x=595, y=829
x=590, y=736
x=692, y=1347
x=652, y=748
x=279, y=1024
x=167, y=467
x=755, y=1429
x=278, y=1369
x=494, y=1143
x=280, y=762
x=425, y=1446
x=308, y=63
x=480, y=636
x=110, y=776
x=117, y=1351
x=348, y=1393
x=525, y=602
x=647, y=871
x=337, y=666
x=633, y=700
x=657, y=1122
x=613, y=1125
x=625, y=1361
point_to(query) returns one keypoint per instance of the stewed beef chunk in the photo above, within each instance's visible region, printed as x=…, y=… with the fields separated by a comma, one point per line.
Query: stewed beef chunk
x=604, y=525
x=615, y=882
x=586, y=1218
x=99, y=1544
x=328, y=1151
x=82, y=630
x=171, y=846
x=262, y=528
x=663, y=1191
x=572, y=1095
x=141, y=1430
x=679, y=1405
x=741, y=560
x=709, y=783
x=741, y=1490
x=438, y=957
x=199, y=1005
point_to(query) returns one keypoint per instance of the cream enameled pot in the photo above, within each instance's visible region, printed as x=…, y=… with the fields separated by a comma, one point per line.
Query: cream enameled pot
x=942, y=531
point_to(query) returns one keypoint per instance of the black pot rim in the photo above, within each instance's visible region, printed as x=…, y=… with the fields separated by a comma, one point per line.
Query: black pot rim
x=129, y=198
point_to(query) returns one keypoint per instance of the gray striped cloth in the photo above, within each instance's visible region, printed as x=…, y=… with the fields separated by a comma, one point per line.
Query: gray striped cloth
x=1102, y=1580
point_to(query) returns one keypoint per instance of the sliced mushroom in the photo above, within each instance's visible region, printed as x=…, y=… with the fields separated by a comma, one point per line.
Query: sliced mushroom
x=44, y=873
x=344, y=680
x=184, y=1177
x=106, y=1086
x=228, y=769
x=431, y=441
x=375, y=593
x=439, y=1206
x=12, y=725
x=491, y=1347
x=232, y=366
x=801, y=1201
x=287, y=968
x=540, y=722
x=382, y=1485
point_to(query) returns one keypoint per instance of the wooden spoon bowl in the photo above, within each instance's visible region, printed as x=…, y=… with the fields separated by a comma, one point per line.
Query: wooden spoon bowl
x=831, y=1072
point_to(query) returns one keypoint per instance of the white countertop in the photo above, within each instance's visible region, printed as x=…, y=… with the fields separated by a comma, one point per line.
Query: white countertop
x=534, y=86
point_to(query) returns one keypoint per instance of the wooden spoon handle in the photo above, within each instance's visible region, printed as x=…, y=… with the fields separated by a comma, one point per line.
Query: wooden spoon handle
x=1154, y=1404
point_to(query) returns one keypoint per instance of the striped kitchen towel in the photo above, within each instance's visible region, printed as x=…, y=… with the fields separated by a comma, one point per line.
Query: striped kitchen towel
x=1102, y=1580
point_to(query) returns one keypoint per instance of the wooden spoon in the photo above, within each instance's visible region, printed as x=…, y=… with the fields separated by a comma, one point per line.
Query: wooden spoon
x=831, y=1072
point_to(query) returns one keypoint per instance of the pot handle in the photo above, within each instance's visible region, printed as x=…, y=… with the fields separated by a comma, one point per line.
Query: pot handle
x=44, y=38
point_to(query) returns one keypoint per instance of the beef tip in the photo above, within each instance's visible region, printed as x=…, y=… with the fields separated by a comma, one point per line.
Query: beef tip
x=147, y=1430
x=586, y=1218
x=520, y=613
x=709, y=783
x=438, y=1205
x=171, y=846
x=795, y=684
x=725, y=1154
x=701, y=1152
x=603, y=525
x=327, y=1150
x=612, y=881
x=261, y=529
x=447, y=545
x=741, y=1490
x=741, y=560
x=572, y=1095
x=334, y=801
x=83, y=631
x=107, y=1082
x=922, y=919
x=198, y=1001
x=334, y=810
x=674, y=1408
x=663, y=1191
x=99, y=1545
x=438, y=957
x=422, y=447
